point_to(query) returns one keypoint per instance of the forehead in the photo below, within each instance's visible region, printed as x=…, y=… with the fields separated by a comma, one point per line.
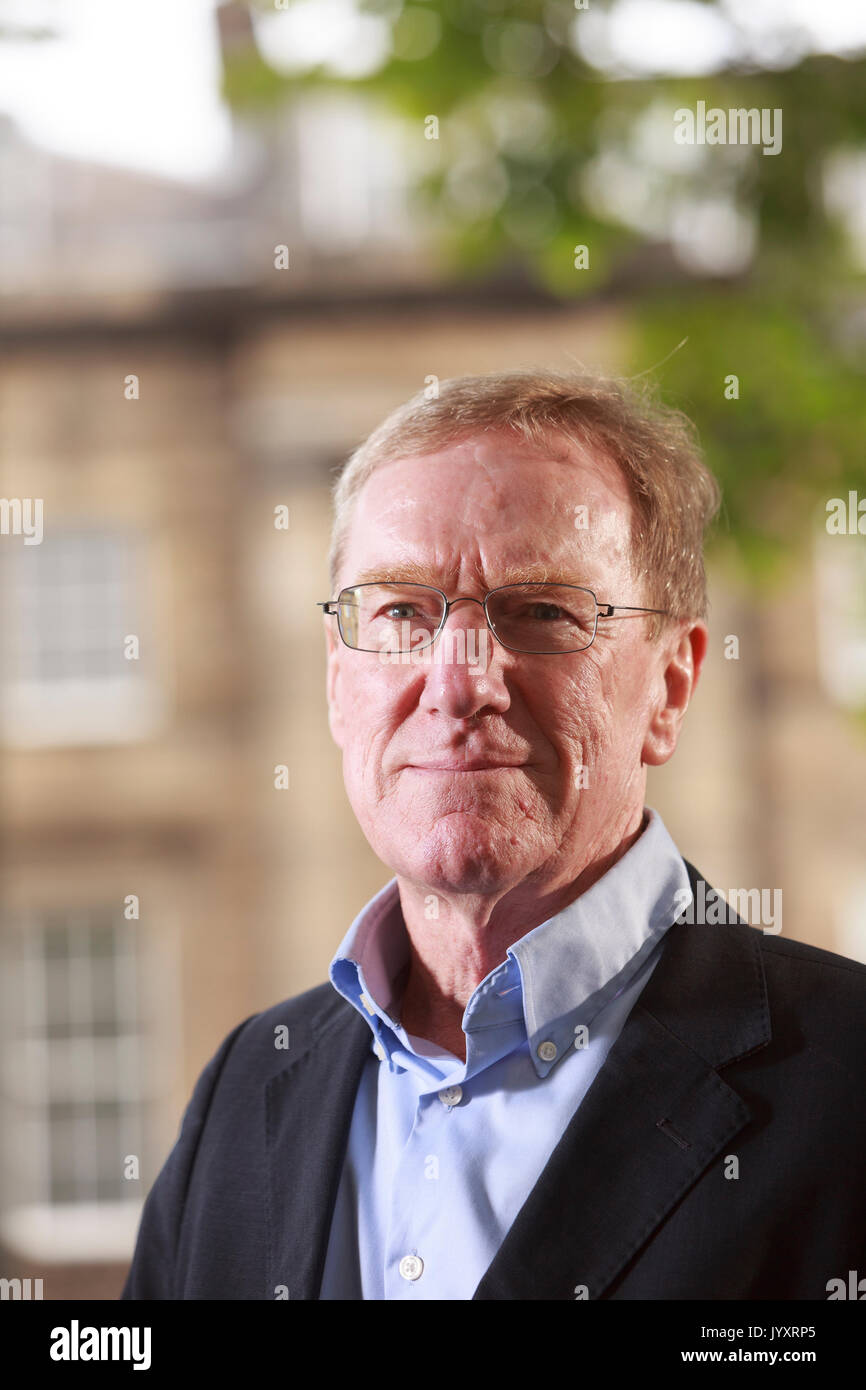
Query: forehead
x=492, y=502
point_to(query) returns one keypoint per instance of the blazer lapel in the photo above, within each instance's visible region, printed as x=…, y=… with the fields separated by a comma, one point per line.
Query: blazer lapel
x=308, y=1109
x=655, y=1117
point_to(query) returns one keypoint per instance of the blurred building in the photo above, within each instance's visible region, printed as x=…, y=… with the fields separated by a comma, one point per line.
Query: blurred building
x=168, y=392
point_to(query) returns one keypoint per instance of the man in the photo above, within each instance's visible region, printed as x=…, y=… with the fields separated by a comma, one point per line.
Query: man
x=530, y=1076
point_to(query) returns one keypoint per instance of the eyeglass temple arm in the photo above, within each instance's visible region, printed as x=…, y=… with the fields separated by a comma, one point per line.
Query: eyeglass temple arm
x=607, y=610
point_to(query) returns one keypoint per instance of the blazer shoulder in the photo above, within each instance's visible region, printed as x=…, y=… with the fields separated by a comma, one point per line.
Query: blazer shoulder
x=747, y=972
x=826, y=987
x=776, y=949
x=267, y=1041
x=812, y=959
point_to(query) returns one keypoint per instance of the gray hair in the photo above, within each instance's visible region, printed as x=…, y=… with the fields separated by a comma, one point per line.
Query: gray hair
x=675, y=496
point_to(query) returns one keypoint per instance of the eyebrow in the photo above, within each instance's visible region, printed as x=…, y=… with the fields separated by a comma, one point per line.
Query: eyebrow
x=411, y=572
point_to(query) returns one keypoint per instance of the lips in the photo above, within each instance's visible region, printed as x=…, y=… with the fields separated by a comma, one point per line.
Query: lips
x=463, y=765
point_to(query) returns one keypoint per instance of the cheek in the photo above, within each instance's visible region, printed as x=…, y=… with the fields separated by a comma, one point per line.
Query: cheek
x=582, y=710
x=363, y=694
x=371, y=714
x=591, y=717
x=627, y=694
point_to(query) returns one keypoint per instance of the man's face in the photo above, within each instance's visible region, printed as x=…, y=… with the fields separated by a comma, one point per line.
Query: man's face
x=574, y=728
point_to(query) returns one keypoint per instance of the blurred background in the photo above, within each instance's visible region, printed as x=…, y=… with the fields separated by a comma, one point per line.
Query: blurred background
x=232, y=238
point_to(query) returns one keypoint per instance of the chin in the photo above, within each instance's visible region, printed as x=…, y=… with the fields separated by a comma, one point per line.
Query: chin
x=454, y=859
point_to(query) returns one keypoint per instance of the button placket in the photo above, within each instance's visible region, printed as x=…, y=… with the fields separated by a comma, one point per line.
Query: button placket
x=415, y=1208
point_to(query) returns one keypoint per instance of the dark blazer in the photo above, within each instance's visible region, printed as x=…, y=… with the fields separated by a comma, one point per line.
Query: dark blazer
x=742, y=1046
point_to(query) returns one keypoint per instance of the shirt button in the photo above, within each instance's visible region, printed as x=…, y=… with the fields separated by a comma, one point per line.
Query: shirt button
x=411, y=1267
x=451, y=1095
x=379, y=1051
x=547, y=1051
x=367, y=1005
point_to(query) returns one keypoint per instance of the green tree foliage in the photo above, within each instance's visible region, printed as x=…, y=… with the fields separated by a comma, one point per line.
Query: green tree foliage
x=744, y=254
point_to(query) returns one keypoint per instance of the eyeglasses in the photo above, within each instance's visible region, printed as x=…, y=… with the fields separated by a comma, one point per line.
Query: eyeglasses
x=544, y=619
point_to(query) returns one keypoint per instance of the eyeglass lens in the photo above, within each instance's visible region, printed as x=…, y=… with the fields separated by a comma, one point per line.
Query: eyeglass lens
x=395, y=618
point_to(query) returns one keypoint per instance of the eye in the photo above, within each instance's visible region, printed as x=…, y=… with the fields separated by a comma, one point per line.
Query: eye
x=547, y=613
x=547, y=610
x=392, y=610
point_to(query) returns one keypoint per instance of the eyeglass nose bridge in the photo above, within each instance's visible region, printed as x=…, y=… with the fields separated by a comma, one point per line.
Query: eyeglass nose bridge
x=466, y=598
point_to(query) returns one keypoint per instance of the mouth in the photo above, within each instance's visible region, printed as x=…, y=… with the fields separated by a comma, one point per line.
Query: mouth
x=470, y=765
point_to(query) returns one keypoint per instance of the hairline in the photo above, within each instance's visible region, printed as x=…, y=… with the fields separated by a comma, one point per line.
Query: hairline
x=554, y=443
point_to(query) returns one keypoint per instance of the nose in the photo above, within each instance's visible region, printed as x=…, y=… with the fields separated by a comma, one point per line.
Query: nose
x=466, y=666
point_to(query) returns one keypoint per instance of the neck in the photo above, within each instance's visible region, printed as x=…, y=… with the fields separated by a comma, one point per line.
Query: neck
x=450, y=955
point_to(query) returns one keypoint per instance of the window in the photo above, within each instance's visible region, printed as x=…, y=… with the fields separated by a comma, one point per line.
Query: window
x=75, y=1088
x=840, y=568
x=349, y=179
x=70, y=674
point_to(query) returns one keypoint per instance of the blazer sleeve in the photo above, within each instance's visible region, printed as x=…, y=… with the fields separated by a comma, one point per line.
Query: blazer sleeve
x=152, y=1272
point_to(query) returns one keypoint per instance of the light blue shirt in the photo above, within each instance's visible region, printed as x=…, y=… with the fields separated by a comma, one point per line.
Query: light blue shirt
x=442, y=1154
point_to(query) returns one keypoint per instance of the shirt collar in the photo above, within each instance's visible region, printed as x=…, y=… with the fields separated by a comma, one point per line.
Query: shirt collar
x=575, y=963
x=555, y=979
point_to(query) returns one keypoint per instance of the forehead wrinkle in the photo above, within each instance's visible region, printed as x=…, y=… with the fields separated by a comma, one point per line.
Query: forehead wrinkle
x=415, y=573
x=559, y=551
x=540, y=567
x=412, y=572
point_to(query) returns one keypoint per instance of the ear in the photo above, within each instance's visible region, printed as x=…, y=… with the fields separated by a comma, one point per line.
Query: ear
x=333, y=684
x=682, y=656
